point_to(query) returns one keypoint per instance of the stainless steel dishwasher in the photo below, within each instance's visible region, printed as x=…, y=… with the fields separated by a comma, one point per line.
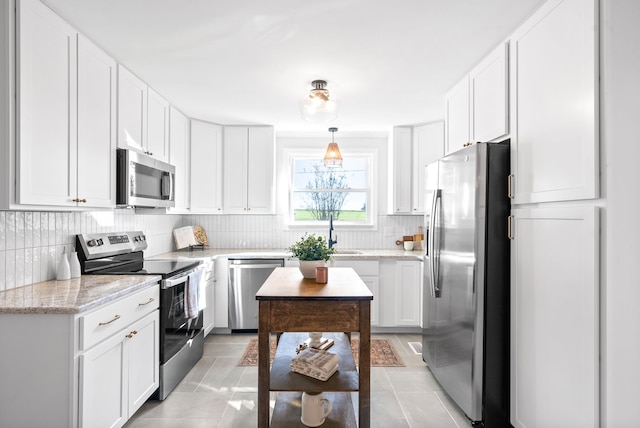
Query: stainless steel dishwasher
x=246, y=276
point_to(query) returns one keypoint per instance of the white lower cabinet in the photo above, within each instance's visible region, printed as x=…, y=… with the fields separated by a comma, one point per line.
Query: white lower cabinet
x=554, y=317
x=221, y=293
x=120, y=374
x=208, y=313
x=368, y=272
x=408, y=286
x=99, y=366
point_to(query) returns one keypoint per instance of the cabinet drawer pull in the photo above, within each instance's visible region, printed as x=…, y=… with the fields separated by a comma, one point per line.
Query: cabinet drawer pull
x=117, y=317
x=79, y=200
x=509, y=231
x=151, y=299
x=509, y=188
x=129, y=336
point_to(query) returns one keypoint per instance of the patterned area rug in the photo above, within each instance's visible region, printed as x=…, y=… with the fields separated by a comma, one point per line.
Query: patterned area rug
x=383, y=354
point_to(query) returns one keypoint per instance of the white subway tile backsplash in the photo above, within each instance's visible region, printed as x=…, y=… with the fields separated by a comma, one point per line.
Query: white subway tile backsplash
x=31, y=242
x=10, y=231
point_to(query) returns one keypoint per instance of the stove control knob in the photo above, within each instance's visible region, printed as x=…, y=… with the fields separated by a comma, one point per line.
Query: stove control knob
x=99, y=242
x=143, y=238
x=92, y=243
x=136, y=239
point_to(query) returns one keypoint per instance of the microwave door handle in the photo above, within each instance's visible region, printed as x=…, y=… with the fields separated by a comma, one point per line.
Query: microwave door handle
x=166, y=186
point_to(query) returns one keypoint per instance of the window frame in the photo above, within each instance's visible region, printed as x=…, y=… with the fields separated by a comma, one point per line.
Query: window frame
x=370, y=155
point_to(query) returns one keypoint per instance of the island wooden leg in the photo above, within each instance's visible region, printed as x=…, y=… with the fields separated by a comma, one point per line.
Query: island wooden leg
x=364, y=400
x=264, y=356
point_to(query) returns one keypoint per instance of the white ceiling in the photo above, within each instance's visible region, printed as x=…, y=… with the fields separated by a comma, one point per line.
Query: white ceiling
x=251, y=62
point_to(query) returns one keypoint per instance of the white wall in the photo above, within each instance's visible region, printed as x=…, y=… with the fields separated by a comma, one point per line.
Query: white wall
x=620, y=132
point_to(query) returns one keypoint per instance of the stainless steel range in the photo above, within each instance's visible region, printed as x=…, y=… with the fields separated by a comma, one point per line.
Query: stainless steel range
x=181, y=338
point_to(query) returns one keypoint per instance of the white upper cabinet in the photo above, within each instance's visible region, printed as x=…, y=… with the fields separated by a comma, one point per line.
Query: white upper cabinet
x=143, y=117
x=179, y=157
x=554, y=99
x=47, y=107
x=96, y=126
x=457, y=116
x=206, y=167
x=412, y=149
x=132, y=111
x=401, y=171
x=488, y=86
x=157, y=126
x=428, y=147
x=249, y=169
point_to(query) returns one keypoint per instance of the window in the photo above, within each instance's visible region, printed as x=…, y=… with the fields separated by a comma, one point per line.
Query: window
x=317, y=191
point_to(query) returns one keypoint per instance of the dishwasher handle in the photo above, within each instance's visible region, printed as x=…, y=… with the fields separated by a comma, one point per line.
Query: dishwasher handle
x=255, y=266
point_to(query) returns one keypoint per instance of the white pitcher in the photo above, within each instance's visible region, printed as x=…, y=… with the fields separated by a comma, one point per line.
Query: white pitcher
x=315, y=408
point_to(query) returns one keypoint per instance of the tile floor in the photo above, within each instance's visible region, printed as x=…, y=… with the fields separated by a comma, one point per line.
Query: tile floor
x=218, y=393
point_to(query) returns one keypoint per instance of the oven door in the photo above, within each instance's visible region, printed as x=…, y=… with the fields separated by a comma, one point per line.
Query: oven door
x=176, y=331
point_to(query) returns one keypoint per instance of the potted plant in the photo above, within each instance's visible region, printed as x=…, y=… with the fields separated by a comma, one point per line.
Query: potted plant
x=312, y=251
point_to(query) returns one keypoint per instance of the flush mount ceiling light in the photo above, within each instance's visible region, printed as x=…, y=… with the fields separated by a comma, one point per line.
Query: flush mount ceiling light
x=332, y=157
x=318, y=105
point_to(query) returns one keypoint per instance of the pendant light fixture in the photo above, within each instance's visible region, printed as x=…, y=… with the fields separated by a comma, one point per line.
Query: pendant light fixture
x=333, y=157
x=319, y=105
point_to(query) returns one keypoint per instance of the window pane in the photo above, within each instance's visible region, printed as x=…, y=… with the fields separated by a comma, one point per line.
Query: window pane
x=312, y=174
x=315, y=206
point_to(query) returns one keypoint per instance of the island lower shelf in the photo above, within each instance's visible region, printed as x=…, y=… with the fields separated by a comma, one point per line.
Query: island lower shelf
x=283, y=379
x=288, y=410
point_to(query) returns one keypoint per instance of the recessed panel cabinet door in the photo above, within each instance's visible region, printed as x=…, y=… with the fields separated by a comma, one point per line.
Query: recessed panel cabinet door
x=554, y=103
x=554, y=318
x=132, y=111
x=47, y=106
x=96, y=126
x=179, y=157
x=260, y=170
x=206, y=167
x=157, y=126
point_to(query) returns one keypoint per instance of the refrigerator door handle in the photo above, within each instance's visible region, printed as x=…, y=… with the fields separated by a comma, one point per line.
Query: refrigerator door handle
x=433, y=274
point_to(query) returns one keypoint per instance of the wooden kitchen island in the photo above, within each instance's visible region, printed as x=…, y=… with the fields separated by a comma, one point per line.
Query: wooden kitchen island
x=289, y=303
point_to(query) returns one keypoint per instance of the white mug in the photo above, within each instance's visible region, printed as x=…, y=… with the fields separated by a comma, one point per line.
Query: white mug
x=315, y=408
x=408, y=245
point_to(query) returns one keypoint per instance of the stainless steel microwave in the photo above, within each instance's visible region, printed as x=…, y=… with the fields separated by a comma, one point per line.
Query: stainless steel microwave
x=143, y=181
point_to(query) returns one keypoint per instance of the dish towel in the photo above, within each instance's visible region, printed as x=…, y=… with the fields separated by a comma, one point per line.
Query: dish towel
x=192, y=294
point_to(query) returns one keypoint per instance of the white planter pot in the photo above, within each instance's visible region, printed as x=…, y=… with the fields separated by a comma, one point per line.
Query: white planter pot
x=308, y=267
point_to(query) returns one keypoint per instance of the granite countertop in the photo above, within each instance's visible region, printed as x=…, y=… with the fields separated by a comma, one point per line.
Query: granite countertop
x=71, y=296
x=342, y=254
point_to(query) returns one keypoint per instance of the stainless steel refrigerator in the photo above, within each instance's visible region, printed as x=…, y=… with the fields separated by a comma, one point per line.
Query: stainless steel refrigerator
x=465, y=340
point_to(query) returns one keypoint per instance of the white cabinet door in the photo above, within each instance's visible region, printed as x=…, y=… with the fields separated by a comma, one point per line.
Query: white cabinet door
x=248, y=169
x=96, y=126
x=260, y=170
x=488, y=85
x=408, y=287
x=428, y=147
x=236, y=149
x=368, y=272
x=179, y=157
x=132, y=111
x=206, y=167
x=554, y=317
x=554, y=96
x=143, y=361
x=457, y=116
x=103, y=401
x=118, y=375
x=221, y=293
x=47, y=107
x=401, y=170
x=157, y=142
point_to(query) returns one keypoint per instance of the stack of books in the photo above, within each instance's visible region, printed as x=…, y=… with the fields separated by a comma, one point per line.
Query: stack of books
x=315, y=363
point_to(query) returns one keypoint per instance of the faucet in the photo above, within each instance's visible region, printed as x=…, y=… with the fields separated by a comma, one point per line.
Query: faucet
x=331, y=240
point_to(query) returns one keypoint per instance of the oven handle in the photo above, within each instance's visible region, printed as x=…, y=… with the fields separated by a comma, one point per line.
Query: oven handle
x=172, y=282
